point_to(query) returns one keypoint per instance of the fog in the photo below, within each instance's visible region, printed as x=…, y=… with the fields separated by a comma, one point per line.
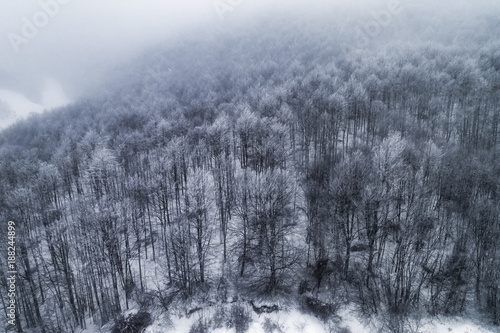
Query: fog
x=55, y=63
x=54, y=51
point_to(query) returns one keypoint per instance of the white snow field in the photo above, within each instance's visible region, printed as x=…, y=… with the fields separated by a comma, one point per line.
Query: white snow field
x=294, y=321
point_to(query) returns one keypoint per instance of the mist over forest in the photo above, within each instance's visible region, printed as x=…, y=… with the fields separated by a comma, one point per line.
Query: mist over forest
x=336, y=159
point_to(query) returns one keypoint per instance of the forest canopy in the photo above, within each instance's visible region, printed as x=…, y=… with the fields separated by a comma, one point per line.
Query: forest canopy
x=283, y=159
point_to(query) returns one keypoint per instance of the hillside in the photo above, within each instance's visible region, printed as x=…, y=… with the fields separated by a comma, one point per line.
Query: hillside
x=276, y=173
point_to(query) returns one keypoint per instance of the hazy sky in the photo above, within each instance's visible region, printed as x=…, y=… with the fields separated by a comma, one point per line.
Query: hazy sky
x=53, y=50
x=93, y=33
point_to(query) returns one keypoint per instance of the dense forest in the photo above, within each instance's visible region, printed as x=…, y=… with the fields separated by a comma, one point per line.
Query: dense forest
x=271, y=162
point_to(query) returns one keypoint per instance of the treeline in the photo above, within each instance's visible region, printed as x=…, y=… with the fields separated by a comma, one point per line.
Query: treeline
x=261, y=169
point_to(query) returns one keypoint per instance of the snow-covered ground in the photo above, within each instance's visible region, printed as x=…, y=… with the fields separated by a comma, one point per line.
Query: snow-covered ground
x=20, y=106
x=458, y=325
x=294, y=321
x=288, y=321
